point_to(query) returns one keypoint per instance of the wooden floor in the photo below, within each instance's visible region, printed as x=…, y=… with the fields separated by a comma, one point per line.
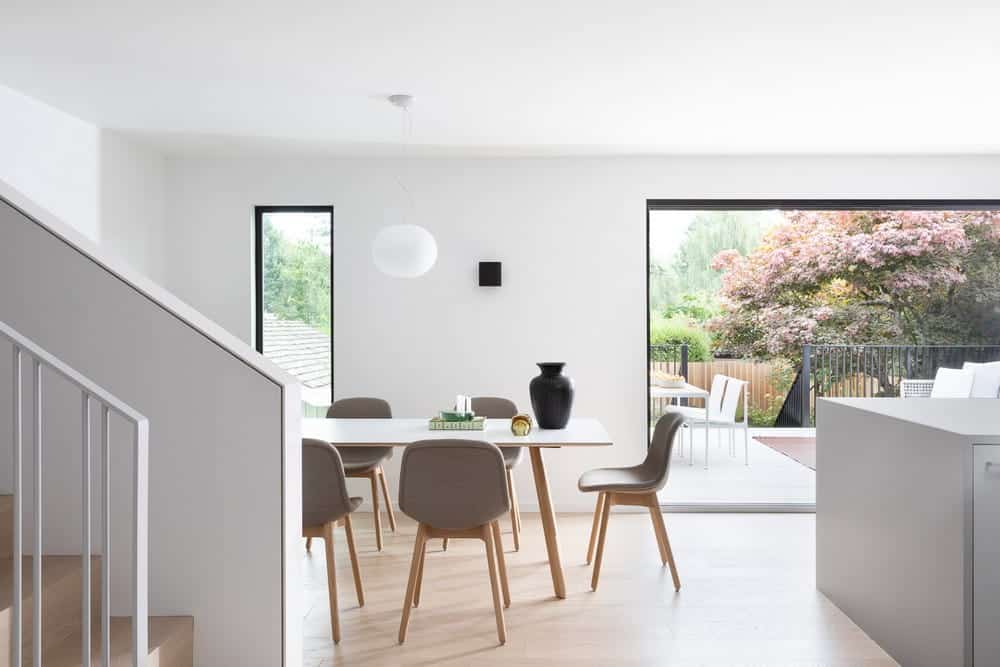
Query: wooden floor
x=748, y=597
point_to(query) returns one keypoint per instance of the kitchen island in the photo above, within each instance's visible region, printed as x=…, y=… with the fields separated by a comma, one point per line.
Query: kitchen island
x=908, y=524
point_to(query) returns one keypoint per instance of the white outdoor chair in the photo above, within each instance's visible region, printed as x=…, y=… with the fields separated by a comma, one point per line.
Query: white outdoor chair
x=972, y=381
x=987, y=381
x=723, y=400
x=953, y=383
x=695, y=416
x=915, y=388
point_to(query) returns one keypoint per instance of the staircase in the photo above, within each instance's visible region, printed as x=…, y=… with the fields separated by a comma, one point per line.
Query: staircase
x=171, y=638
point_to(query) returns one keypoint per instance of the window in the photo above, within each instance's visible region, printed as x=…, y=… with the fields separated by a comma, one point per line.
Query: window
x=793, y=301
x=294, y=294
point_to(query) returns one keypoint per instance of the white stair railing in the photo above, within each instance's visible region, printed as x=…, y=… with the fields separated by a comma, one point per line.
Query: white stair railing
x=91, y=392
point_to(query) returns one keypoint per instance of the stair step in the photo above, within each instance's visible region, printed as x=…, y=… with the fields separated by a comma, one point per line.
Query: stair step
x=6, y=526
x=171, y=638
x=62, y=592
x=171, y=644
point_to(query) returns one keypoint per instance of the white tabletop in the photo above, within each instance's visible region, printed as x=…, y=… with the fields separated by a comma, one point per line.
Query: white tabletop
x=580, y=432
x=687, y=391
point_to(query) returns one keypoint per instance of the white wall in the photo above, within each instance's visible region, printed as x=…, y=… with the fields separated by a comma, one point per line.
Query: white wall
x=100, y=182
x=571, y=236
x=52, y=158
x=132, y=202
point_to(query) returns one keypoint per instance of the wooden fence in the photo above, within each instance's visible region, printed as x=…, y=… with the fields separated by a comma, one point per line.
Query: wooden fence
x=768, y=381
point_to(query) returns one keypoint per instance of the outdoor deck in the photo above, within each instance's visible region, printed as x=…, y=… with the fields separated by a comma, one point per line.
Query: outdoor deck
x=772, y=478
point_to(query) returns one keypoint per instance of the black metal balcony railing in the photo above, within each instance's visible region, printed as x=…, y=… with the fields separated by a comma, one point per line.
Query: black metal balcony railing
x=860, y=371
x=670, y=358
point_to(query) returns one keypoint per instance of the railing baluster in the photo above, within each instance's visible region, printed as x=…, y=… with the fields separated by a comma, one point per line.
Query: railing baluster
x=140, y=497
x=18, y=554
x=105, y=537
x=36, y=562
x=85, y=533
x=140, y=546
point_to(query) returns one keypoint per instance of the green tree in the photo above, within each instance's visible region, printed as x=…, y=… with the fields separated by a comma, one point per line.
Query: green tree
x=297, y=279
x=687, y=285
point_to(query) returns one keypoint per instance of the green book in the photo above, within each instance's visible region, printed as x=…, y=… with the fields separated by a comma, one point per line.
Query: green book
x=474, y=424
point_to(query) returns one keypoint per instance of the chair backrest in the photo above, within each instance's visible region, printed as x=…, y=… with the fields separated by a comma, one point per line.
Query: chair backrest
x=453, y=484
x=324, y=489
x=953, y=383
x=987, y=381
x=731, y=400
x=359, y=408
x=911, y=388
x=657, y=463
x=493, y=407
x=715, y=394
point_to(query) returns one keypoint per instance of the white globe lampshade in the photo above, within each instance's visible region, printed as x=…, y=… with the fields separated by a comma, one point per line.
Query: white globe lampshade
x=404, y=251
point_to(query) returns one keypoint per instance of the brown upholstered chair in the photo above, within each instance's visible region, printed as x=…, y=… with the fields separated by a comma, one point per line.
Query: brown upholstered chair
x=636, y=485
x=455, y=489
x=366, y=462
x=325, y=504
x=493, y=407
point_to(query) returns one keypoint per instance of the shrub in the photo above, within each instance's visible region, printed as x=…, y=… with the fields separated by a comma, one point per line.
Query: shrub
x=678, y=331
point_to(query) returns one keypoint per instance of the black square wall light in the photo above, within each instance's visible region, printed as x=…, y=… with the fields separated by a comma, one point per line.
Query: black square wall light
x=489, y=274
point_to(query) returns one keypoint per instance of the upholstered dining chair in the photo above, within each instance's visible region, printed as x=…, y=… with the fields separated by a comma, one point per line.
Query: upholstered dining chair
x=636, y=485
x=455, y=489
x=493, y=407
x=325, y=505
x=366, y=462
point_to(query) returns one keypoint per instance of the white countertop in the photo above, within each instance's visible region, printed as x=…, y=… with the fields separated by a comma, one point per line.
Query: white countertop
x=580, y=432
x=977, y=418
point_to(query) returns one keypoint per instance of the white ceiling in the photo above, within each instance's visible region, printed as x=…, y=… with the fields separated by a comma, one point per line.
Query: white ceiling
x=521, y=77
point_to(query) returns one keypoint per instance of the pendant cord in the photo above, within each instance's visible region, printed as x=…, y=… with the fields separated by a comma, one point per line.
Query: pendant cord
x=407, y=127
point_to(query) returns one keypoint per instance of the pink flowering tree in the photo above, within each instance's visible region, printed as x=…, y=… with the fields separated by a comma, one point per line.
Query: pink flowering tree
x=863, y=277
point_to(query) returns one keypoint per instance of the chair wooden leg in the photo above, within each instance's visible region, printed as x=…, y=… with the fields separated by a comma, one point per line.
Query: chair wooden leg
x=596, y=527
x=654, y=512
x=605, y=512
x=494, y=585
x=355, y=567
x=502, y=564
x=376, y=512
x=444, y=544
x=388, y=501
x=517, y=509
x=514, y=527
x=420, y=576
x=331, y=583
x=418, y=547
x=309, y=544
x=664, y=541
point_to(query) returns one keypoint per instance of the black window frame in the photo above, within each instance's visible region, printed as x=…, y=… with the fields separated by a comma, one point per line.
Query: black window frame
x=792, y=204
x=258, y=243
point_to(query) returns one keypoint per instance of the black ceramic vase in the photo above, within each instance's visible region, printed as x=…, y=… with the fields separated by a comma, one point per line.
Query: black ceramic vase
x=552, y=396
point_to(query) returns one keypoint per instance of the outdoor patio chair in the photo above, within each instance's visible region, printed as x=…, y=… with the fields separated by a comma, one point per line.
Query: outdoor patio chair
x=723, y=402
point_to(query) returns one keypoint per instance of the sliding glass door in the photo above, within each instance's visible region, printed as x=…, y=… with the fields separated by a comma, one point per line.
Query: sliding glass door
x=799, y=300
x=294, y=294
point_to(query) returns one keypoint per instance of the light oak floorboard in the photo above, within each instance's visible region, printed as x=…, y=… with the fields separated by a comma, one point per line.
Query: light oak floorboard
x=749, y=598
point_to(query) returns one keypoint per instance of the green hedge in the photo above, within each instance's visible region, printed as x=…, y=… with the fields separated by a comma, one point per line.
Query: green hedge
x=678, y=332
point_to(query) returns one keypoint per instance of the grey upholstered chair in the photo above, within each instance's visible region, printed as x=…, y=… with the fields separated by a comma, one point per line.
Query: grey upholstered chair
x=366, y=462
x=493, y=407
x=636, y=485
x=455, y=489
x=325, y=504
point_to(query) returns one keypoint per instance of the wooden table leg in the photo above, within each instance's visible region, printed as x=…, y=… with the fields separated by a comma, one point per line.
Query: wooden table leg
x=548, y=522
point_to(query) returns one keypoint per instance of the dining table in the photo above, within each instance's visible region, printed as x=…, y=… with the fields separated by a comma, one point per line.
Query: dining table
x=397, y=432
